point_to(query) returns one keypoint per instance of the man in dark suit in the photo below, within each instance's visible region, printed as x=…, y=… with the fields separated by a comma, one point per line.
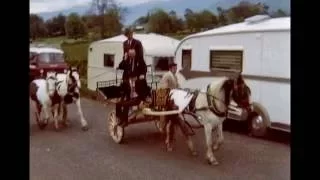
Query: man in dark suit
x=134, y=74
x=133, y=62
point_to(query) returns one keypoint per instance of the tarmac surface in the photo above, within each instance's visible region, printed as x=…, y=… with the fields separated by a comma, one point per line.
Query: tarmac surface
x=72, y=154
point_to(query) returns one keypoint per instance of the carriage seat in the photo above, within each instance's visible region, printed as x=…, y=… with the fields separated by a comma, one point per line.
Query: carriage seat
x=161, y=100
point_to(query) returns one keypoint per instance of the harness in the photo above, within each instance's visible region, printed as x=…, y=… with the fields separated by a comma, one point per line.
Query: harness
x=212, y=106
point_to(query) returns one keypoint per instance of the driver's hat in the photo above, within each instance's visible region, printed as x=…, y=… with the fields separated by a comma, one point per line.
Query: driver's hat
x=127, y=31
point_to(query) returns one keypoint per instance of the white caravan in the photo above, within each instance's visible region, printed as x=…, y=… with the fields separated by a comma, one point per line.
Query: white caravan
x=259, y=48
x=104, y=56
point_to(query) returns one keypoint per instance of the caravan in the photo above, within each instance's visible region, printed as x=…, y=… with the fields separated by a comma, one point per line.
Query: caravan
x=259, y=48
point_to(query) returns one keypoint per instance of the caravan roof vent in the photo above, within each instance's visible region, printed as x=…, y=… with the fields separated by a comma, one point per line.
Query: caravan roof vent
x=257, y=18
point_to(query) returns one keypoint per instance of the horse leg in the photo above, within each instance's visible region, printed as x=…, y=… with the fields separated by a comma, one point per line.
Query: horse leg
x=47, y=111
x=169, y=135
x=83, y=121
x=191, y=146
x=56, y=116
x=187, y=136
x=37, y=111
x=220, y=137
x=208, y=133
x=64, y=112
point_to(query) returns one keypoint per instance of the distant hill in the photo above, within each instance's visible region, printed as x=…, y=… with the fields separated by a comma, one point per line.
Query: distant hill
x=179, y=6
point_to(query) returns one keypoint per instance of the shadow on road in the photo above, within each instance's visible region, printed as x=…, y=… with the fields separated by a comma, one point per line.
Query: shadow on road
x=272, y=135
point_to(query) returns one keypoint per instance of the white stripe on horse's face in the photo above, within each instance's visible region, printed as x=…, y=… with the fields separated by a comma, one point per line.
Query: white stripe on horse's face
x=51, y=83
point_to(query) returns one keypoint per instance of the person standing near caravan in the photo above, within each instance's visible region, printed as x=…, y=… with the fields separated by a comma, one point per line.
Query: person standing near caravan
x=169, y=79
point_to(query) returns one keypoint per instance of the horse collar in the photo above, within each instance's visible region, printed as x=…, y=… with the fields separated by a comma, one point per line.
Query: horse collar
x=213, y=106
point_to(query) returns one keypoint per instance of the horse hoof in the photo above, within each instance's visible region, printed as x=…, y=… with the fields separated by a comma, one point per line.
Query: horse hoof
x=66, y=124
x=42, y=126
x=215, y=148
x=194, y=153
x=85, y=128
x=169, y=149
x=213, y=163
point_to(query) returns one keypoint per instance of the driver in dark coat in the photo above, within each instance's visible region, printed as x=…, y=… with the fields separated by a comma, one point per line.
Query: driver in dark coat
x=134, y=75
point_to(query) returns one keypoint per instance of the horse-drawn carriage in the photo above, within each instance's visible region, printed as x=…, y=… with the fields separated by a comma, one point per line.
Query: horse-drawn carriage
x=156, y=105
x=209, y=107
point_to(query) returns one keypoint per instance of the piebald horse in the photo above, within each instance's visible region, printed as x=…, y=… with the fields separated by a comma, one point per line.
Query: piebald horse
x=44, y=99
x=68, y=88
x=210, y=107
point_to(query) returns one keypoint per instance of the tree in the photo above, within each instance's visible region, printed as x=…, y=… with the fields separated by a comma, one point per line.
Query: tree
x=37, y=27
x=244, y=10
x=56, y=25
x=190, y=18
x=279, y=13
x=74, y=26
x=206, y=19
x=222, y=17
x=159, y=21
x=176, y=23
x=108, y=11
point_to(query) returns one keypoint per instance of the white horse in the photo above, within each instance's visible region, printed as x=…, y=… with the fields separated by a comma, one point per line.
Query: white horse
x=68, y=88
x=211, y=105
x=44, y=99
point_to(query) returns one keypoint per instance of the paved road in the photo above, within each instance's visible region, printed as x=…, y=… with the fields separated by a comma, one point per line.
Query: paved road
x=75, y=155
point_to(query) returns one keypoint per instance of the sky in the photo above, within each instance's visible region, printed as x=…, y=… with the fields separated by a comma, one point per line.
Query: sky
x=40, y=6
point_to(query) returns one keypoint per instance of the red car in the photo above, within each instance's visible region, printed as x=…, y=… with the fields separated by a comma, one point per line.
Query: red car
x=45, y=59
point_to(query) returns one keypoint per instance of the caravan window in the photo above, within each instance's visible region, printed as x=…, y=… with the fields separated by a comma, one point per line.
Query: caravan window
x=230, y=60
x=162, y=63
x=186, y=59
x=108, y=60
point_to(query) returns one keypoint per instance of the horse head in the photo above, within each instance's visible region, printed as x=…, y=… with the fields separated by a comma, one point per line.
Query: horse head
x=237, y=89
x=73, y=79
x=51, y=80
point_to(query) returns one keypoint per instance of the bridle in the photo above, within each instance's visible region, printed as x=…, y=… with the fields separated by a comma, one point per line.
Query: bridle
x=54, y=79
x=211, y=99
x=73, y=85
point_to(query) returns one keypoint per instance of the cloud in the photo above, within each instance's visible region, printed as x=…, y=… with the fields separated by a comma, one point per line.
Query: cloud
x=40, y=6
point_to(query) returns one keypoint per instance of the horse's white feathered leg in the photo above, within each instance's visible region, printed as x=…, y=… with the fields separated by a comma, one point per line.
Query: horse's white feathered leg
x=83, y=121
x=220, y=137
x=191, y=146
x=37, y=111
x=64, y=112
x=47, y=112
x=208, y=134
x=168, y=136
x=56, y=115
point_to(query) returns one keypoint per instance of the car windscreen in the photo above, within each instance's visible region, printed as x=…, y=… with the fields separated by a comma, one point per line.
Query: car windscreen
x=31, y=56
x=51, y=58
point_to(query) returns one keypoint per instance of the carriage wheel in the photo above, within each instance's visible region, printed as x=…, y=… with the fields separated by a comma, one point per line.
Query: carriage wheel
x=115, y=131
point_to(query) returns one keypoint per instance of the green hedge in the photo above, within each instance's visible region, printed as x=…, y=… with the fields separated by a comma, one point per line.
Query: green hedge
x=76, y=51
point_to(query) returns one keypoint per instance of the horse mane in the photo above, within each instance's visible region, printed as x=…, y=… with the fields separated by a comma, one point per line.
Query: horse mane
x=240, y=80
x=227, y=86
